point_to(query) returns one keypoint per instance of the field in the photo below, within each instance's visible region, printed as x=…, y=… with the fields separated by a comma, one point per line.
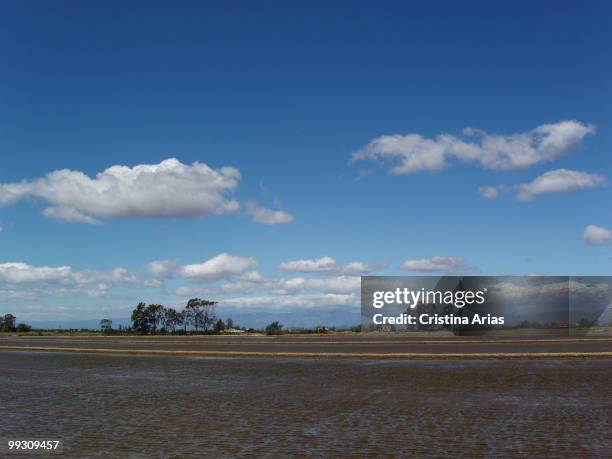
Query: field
x=350, y=346
x=352, y=395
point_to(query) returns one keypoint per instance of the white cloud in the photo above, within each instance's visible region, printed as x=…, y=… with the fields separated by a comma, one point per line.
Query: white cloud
x=247, y=288
x=19, y=273
x=192, y=292
x=218, y=267
x=322, y=264
x=116, y=276
x=414, y=153
x=556, y=181
x=251, y=282
x=153, y=283
x=288, y=302
x=167, y=189
x=23, y=281
x=12, y=192
x=119, y=275
x=267, y=216
x=357, y=267
x=162, y=269
x=19, y=294
x=69, y=215
x=340, y=284
x=559, y=181
x=325, y=264
x=253, y=277
x=596, y=235
x=244, y=287
x=489, y=192
x=439, y=264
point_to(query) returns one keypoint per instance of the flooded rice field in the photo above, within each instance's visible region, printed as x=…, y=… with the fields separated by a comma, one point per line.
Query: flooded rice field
x=150, y=406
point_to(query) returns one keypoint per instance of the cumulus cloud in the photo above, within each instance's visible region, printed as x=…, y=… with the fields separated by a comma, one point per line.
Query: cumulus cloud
x=413, y=153
x=340, y=284
x=69, y=215
x=596, y=235
x=322, y=264
x=218, y=267
x=359, y=267
x=439, y=264
x=556, y=181
x=19, y=273
x=267, y=216
x=168, y=189
x=253, y=277
x=245, y=287
x=559, y=181
x=23, y=281
x=325, y=264
x=153, y=283
x=117, y=275
x=162, y=269
x=288, y=302
x=252, y=281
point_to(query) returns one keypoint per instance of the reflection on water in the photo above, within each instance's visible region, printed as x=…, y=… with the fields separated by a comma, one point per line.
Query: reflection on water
x=136, y=406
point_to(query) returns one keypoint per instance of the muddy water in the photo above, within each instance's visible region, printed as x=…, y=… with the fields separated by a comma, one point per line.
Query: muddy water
x=136, y=406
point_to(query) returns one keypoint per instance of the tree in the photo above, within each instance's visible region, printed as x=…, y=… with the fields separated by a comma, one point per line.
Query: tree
x=173, y=319
x=229, y=323
x=201, y=313
x=23, y=328
x=185, y=319
x=148, y=319
x=7, y=323
x=155, y=315
x=140, y=322
x=275, y=328
x=219, y=326
x=106, y=325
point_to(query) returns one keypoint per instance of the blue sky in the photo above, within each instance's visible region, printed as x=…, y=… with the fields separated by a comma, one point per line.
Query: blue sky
x=287, y=95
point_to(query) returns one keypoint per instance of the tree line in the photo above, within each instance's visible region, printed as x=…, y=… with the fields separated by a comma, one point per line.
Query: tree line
x=198, y=315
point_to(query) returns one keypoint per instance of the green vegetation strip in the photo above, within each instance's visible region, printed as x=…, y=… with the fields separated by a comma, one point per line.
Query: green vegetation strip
x=333, y=355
